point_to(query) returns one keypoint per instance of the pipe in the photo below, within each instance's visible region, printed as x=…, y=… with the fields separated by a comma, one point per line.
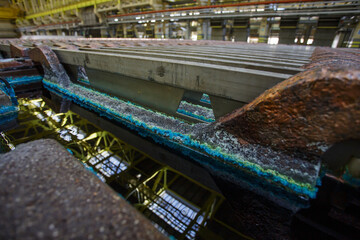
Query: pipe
x=216, y=6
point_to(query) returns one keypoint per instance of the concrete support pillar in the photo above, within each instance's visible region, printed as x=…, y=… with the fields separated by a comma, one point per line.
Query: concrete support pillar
x=339, y=40
x=169, y=27
x=188, y=29
x=224, y=30
x=135, y=31
x=227, y=29
x=165, y=30
x=355, y=37
x=263, y=31
x=159, y=30
x=206, y=29
x=104, y=33
x=119, y=31
x=124, y=30
x=200, y=32
x=112, y=31
x=58, y=32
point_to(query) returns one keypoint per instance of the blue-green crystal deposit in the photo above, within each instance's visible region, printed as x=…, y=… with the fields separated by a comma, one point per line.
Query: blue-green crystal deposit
x=218, y=149
x=25, y=80
x=196, y=111
x=8, y=113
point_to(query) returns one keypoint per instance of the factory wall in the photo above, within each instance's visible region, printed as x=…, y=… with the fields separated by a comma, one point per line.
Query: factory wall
x=240, y=34
x=128, y=20
x=287, y=35
x=217, y=34
x=326, y=31
x=8, y=29
x=322, y=33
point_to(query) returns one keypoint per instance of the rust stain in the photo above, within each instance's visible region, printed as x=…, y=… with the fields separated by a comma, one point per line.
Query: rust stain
x=320, y=106
x=18, y=51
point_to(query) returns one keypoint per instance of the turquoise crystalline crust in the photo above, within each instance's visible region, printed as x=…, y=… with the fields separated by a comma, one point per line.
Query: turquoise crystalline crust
x=190, y=114
x=196, y=111
x=181, y=141
x=8, y=113
x=85, y=81
x=17, y=81
x=205, y=99
x=10, y=92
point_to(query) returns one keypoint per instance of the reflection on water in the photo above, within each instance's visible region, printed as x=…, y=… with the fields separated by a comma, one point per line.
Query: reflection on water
x=177, y=205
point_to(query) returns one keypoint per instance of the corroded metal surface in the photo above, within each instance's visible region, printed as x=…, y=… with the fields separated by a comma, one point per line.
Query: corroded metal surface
x=48, y=194
x=334, y=58
x=18, y=51
x=308, y=112
x=218, y=144
x=12, y=63
x=20, y=72
x=53, y=69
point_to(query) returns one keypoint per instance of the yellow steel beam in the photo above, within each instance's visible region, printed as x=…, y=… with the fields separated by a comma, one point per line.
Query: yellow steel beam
x=82, y=4
x=8, y=13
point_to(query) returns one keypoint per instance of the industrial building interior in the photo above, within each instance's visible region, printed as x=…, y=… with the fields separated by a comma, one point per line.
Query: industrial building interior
x=179, y=119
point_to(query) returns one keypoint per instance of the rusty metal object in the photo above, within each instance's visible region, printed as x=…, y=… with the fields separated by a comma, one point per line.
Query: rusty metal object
x=15, y=63
x=20, y=72
x=53, y=69
x=333, y=58
x=18, y=51
x=307, y=112
x=74, y=203
x=62, y=45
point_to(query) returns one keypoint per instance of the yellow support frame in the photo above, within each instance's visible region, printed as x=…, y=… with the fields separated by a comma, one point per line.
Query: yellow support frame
x=82, y=4
x=8, y=13
x=96, y=141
